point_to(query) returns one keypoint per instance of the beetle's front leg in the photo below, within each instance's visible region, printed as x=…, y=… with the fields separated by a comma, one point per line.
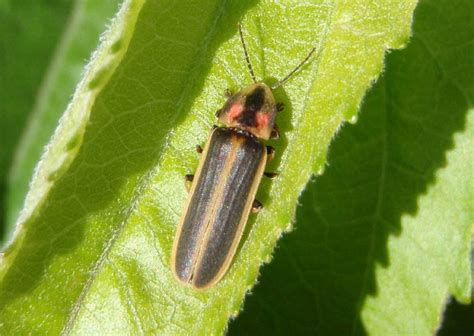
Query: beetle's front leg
x=275, y=133
x=228, y=93
x=280, y=106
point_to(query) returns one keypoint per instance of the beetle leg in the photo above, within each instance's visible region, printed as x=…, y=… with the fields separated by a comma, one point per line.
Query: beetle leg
x=214, y=127
x=275, y=133
x=198, y=149
x=270, y=175
x=280, y=107
x=228, y=93
x=270, y=153
x=256, y=206
x=188, y=181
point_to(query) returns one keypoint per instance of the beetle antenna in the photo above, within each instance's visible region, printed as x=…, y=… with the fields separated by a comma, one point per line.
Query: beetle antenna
x=295, y=70
x=246, y=54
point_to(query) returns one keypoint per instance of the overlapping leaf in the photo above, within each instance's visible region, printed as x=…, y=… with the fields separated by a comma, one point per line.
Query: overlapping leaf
x=382, y=238
x=26, y=28
x=85, y=20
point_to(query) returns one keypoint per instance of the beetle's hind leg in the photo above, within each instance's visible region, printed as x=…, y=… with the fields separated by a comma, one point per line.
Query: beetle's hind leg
x=256, y=206
x=270, y=153
x=188, y=181
x=270, y=175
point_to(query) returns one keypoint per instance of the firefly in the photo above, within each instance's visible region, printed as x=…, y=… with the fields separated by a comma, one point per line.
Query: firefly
x=222, y=192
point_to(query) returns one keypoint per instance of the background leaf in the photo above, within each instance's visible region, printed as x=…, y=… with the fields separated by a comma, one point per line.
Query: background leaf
x=27, y=28
x=86, y=20
x=383, y=236
x=102, y=209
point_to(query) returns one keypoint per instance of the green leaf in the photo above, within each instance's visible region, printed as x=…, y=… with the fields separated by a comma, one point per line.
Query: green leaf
x=28, y=29
x=382, y=238
x=86, y=21
x=91, y=253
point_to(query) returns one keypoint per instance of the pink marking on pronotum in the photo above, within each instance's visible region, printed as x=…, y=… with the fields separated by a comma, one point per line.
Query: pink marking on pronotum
x=262, y=120
x=235, y=111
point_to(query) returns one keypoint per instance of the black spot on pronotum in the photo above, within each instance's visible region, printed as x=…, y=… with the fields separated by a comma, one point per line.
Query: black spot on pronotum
x=255, y=100
x=253, y=104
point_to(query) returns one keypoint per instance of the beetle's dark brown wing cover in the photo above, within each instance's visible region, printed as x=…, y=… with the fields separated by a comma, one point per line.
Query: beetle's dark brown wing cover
x=192, y=227
x=229, y=212
x=231, y=166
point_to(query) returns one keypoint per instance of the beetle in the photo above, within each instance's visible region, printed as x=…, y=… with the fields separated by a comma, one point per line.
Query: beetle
x=223, y=189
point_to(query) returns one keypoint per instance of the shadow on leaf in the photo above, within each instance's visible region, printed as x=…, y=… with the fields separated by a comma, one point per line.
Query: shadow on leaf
x=377, y=169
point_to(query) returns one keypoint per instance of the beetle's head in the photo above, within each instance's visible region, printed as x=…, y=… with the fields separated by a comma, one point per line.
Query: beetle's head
x=252, y=109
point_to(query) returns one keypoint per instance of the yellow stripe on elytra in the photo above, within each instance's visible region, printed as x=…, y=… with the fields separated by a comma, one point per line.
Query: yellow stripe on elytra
x=216, y=198
x=243, y=219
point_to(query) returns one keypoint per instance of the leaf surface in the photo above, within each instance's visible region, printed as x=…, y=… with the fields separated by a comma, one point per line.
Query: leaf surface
x=92, y=252
x=27, y=30
x=382, y=238
x=85, y=22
